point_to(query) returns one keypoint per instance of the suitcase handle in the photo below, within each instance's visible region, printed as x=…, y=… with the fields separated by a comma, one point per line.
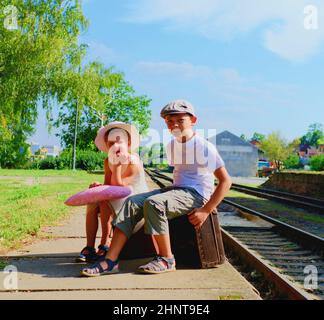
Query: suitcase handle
x=215, y=212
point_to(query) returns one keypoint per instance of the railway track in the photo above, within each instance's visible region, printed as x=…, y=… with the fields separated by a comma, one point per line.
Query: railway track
x=287, y=257
x=294, y=200
x=313, y=204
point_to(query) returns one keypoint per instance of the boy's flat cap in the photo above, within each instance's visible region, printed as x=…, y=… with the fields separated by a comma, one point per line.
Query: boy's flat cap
x=178, y=106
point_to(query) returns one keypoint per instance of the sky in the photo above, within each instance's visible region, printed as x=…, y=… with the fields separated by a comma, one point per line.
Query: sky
x=246, y=65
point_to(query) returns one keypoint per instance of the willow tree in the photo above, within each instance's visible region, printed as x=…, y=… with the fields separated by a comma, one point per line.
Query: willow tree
x=39, y=57
x=108, y=97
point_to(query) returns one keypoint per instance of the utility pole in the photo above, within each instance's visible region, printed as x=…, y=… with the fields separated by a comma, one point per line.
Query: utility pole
x=75, y=134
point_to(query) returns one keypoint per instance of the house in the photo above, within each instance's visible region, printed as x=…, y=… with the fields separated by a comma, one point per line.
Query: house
x=39, y=152
x=306, y=151
x=261, y=153
x=312, y=151
x=52, y=150
x=34, y=147
x=240, y=157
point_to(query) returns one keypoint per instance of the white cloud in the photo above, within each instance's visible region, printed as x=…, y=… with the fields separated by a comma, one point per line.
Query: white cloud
x=225, y=84
x=224, y=98
x=174, y=70
x=281, y=22
x=99, y=51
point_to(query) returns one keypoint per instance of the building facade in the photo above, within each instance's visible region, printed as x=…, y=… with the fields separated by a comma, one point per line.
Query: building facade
x=240, y=157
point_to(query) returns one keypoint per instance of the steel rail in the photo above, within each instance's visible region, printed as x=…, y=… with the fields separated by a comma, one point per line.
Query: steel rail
x=255, y=261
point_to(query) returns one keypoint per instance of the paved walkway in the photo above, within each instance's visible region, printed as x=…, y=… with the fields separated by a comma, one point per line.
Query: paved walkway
x=46, y=270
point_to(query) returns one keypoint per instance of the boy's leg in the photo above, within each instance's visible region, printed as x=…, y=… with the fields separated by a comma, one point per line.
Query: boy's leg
x=127, y=218
x=158, y=209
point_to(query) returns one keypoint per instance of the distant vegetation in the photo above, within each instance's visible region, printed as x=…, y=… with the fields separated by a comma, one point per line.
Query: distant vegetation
x=295, y=154
x=43, y=61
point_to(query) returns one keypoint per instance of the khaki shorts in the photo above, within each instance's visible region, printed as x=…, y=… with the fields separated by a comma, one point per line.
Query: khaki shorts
x=157, y=207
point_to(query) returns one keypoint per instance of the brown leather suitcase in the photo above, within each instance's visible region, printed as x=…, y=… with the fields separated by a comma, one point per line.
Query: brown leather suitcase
x=199, y=249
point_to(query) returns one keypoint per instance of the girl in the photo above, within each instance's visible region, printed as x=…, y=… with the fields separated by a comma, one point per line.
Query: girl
x=121, y=168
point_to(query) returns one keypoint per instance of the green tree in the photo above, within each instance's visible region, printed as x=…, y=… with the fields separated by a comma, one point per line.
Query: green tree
x=292, y=162
x=258, y=137
x=243, y=137
x=144, y=154
x=314, y=135
x=156, y=154
x=317, y=163
x=294, y=145
x=276, y=148
x=113, y=100
x=38, y=61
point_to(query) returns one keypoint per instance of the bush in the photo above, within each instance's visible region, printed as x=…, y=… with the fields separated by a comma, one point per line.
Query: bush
x=64, y=161
x=85, y=160
x=47, y=163
x=293, y=162
x=90, y=160
x=317, y=163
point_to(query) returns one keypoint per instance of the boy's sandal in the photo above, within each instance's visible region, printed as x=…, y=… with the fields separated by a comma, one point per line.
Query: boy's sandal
x=159, y=265
x=97, y=269
x=104, y=248
x=91, y=256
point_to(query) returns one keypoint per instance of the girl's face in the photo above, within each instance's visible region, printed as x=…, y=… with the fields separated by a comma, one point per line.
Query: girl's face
x=117, y=142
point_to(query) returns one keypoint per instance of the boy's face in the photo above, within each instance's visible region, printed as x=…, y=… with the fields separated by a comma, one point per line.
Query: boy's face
x=180, y=124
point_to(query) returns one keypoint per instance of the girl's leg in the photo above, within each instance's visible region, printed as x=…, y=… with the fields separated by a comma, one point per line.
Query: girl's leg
x=106, y=217
x=92, y=224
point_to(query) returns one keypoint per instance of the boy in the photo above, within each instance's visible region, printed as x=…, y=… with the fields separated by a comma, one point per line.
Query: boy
x=196, y=162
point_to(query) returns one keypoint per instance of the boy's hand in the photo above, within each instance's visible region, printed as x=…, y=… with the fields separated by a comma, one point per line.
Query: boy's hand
x=197, y=217
x=95, y=184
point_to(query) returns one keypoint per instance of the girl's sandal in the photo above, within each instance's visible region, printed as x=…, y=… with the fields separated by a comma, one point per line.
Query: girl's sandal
x=91, y=256
x=98, y=270
x=159, y=265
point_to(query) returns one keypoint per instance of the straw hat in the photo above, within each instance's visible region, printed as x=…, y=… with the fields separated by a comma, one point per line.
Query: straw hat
x=132, y=130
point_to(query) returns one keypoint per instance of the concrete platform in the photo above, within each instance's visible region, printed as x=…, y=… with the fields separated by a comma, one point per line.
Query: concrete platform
x=46, y=271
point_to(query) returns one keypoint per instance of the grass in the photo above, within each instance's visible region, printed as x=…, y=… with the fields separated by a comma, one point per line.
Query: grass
x=3, y=264
x=31, y=199
x=42, y=173
x=230, y=297
x=303, y=172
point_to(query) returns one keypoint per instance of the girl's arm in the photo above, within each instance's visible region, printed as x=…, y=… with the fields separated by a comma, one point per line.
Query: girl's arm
x=116, y=176
x=107, y=173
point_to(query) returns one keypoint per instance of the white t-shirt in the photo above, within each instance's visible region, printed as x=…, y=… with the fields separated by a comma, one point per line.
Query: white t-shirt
x=194, y=164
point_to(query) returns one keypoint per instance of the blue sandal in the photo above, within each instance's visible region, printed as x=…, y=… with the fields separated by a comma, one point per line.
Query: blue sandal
x=159, y=265
x=97, y=269
x=91, y=256
x=104, y=248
